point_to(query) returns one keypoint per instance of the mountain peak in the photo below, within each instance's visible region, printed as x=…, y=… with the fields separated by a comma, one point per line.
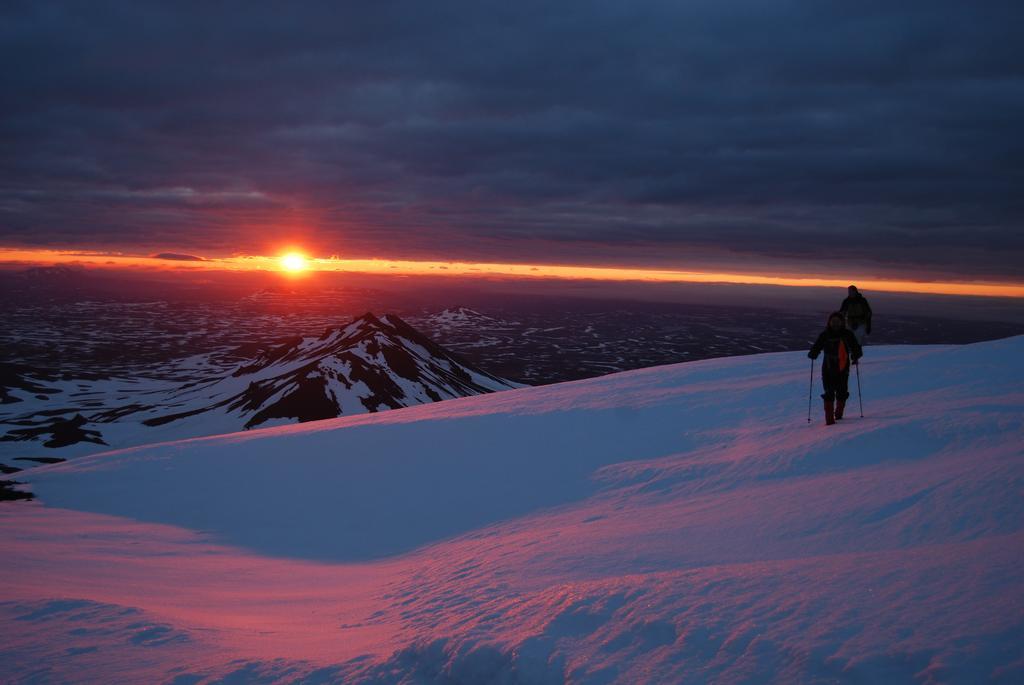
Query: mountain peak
x=370, y=364
x=367, y=318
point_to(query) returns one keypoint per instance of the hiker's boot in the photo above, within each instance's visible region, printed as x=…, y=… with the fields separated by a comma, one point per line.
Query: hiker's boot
x=840, y=406
x=830, y=414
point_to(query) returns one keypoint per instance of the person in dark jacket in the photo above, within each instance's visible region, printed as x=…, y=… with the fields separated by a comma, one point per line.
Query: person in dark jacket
x=858, y=314
x=841, y=350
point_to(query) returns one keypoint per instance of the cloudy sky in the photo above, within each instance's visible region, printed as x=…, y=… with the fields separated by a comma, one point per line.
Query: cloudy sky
x=769, y=136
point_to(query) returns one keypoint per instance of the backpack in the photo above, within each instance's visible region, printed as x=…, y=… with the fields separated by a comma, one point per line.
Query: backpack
x=856, y=309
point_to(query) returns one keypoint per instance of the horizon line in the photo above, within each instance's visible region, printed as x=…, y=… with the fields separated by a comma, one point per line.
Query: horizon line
x=451, y=269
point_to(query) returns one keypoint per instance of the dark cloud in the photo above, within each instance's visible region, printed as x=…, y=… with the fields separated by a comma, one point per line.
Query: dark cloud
x=882, y=136
x=174, y=256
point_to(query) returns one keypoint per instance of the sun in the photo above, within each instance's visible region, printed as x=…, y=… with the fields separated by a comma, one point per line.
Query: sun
x=294, y=262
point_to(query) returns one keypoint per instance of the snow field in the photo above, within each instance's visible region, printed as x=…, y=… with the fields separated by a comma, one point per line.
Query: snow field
x=674, y=524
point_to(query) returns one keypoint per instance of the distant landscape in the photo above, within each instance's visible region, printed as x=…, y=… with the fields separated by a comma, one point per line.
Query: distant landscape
x=70, y=322
x=91, y=363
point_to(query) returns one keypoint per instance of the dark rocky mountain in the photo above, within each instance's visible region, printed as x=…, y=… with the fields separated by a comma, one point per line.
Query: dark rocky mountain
x=368, y=365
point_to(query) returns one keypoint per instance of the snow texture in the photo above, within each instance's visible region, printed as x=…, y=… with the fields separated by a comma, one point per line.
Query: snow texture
x=679, y=524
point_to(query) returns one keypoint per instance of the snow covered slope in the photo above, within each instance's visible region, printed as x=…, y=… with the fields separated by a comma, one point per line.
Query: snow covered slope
x=680, y=524
x=366, y=366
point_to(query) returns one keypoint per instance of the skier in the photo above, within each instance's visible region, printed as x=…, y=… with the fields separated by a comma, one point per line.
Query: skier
x=841, y=349
x=858, y=314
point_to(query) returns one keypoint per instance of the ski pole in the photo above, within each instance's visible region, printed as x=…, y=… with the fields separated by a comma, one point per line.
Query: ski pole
x=860, y=398
x=810, y=390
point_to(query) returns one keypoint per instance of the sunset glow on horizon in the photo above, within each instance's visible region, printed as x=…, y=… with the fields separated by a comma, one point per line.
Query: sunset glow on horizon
x=295, y=262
